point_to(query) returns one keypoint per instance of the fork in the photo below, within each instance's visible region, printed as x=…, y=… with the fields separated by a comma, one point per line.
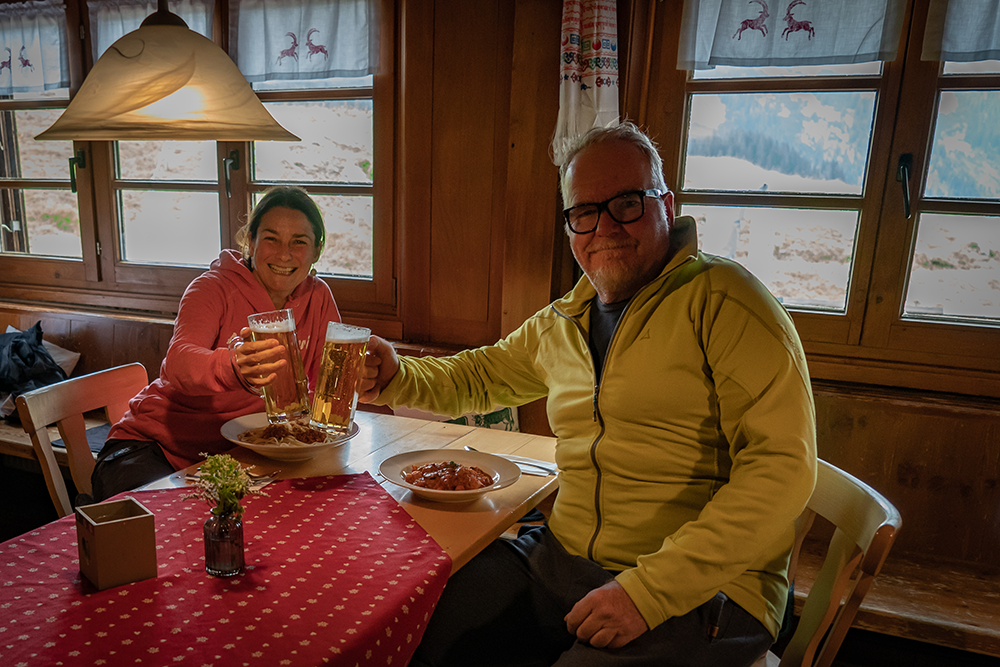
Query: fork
x=254, y=477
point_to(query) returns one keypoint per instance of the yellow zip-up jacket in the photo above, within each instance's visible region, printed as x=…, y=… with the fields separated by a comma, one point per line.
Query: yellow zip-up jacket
x=685, y=468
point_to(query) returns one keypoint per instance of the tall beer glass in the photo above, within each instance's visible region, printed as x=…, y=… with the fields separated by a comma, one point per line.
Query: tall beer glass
x=287, y=398
x=336, y=395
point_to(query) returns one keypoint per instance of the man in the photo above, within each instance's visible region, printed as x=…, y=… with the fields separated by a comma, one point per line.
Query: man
x=680, y=397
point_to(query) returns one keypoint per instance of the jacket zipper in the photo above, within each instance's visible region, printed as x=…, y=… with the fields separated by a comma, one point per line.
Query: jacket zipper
x=596, y=410
x=600, y=435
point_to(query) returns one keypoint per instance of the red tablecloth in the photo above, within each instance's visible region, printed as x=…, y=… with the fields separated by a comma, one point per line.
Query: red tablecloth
x=336, y=573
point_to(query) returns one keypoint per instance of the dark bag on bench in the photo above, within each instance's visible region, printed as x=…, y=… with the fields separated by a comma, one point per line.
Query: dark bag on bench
x=25, y=364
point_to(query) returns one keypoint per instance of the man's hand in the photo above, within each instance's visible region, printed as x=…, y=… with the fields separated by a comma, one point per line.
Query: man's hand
x=381, y=365
x=606, y=617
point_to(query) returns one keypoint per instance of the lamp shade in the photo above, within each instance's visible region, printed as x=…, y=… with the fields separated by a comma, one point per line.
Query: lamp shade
x=165, y=82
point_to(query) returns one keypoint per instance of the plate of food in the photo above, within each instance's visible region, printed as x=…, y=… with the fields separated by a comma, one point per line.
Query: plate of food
x=449, y=475
x=291, y=441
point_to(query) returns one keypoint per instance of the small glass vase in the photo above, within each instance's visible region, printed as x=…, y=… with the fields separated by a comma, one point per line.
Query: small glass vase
x=224, y=545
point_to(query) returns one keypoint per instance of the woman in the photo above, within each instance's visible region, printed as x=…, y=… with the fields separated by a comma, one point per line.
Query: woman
x=175, y=421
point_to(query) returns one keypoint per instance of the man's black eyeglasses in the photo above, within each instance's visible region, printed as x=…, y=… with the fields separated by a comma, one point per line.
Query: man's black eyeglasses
x=623, y=209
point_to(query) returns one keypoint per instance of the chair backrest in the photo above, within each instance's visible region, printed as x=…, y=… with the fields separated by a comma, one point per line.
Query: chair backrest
x=865, y=528
x=64, y=404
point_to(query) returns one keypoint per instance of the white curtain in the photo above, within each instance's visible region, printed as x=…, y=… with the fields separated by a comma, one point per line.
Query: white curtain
x=781, y=33
x=112, y=19
x=33, y=54
x=962, y=30
x=275, y=40
x=588, y=87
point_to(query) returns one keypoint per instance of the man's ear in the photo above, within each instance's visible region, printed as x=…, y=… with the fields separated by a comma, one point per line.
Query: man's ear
x=668, y=204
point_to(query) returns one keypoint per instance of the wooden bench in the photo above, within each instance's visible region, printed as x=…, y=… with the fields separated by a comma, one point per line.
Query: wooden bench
x=103, y=341
x=951, y=604
x=934, y=457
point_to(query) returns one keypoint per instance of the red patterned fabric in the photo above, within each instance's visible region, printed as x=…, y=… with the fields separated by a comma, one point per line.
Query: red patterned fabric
x=336, y=573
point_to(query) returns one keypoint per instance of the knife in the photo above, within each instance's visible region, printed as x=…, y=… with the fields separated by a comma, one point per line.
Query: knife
x=549, y=468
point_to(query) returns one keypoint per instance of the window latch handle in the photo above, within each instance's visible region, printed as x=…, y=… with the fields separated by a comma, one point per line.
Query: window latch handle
x=903, y=171
x=229, y=163
x=79, y=161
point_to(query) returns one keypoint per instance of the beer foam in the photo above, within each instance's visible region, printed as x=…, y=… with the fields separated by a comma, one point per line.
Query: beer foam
x=345, y=333
x=273, y=327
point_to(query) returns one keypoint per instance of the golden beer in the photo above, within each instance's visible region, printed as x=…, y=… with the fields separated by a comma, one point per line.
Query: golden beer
x=287, y=398
x=336, y=395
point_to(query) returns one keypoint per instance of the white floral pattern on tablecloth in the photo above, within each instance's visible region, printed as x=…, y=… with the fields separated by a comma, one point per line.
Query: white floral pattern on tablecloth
x=337, y=573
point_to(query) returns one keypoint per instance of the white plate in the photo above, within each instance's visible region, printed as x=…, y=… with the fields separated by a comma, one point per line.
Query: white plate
x=503, y=472
x=232, y=429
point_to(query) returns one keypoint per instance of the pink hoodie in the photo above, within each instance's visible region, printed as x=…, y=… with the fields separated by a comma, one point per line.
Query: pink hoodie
x=198, y=390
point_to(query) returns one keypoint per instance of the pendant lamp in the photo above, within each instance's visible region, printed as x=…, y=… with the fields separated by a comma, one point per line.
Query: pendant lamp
x=165, y=82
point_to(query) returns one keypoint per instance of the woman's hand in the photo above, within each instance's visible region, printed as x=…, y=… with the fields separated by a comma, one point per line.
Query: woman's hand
x=381, y=365
x=256, y=362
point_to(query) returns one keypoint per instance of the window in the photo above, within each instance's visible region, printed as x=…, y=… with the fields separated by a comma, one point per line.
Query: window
x=335, y=162
x=864, y=195
x=41, y=230
x=40, y=212
x=955, y=271
x=157, y=213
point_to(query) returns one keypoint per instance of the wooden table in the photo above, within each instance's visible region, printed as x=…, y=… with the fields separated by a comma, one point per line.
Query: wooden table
x=461, y=530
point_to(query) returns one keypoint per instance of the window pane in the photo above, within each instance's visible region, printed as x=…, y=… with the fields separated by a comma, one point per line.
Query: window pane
x=336, y=146
x=53, y=223
x=348, y=250
x=956, y=268
x=730, y=72
x=349, y=222
x=180, y=228
x=965, y=153
x=41, y=222
x=802, y=256
x=36, y=159
x=167, y=160
x=790, y=142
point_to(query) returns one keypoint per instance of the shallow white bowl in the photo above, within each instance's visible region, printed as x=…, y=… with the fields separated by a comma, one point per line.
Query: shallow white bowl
x=503, y=472
x=232, y=429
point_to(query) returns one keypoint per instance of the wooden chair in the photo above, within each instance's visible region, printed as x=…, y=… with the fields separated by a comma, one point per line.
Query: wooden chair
x=865, y=527
x=64, y=404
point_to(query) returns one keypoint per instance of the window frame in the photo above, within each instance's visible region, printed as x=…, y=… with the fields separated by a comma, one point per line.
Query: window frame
x=843, y=328
x=871, y=342
x=102, y=279
x=889, y=327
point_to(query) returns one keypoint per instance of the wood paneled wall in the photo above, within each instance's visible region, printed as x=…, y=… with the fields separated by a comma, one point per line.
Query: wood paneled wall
x=479, y=205
x=936, y=457
x=102, y=341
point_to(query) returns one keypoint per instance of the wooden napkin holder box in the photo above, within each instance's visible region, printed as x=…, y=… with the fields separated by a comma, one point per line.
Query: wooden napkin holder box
x=117, y=542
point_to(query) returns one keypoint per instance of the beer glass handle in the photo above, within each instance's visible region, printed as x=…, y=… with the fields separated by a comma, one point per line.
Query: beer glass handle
x=235, y=341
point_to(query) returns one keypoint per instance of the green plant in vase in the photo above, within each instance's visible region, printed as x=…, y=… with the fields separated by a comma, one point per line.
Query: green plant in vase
x=222, y=483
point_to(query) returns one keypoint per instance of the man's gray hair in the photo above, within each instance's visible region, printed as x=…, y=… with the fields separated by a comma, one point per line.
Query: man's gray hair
x=627, y=132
